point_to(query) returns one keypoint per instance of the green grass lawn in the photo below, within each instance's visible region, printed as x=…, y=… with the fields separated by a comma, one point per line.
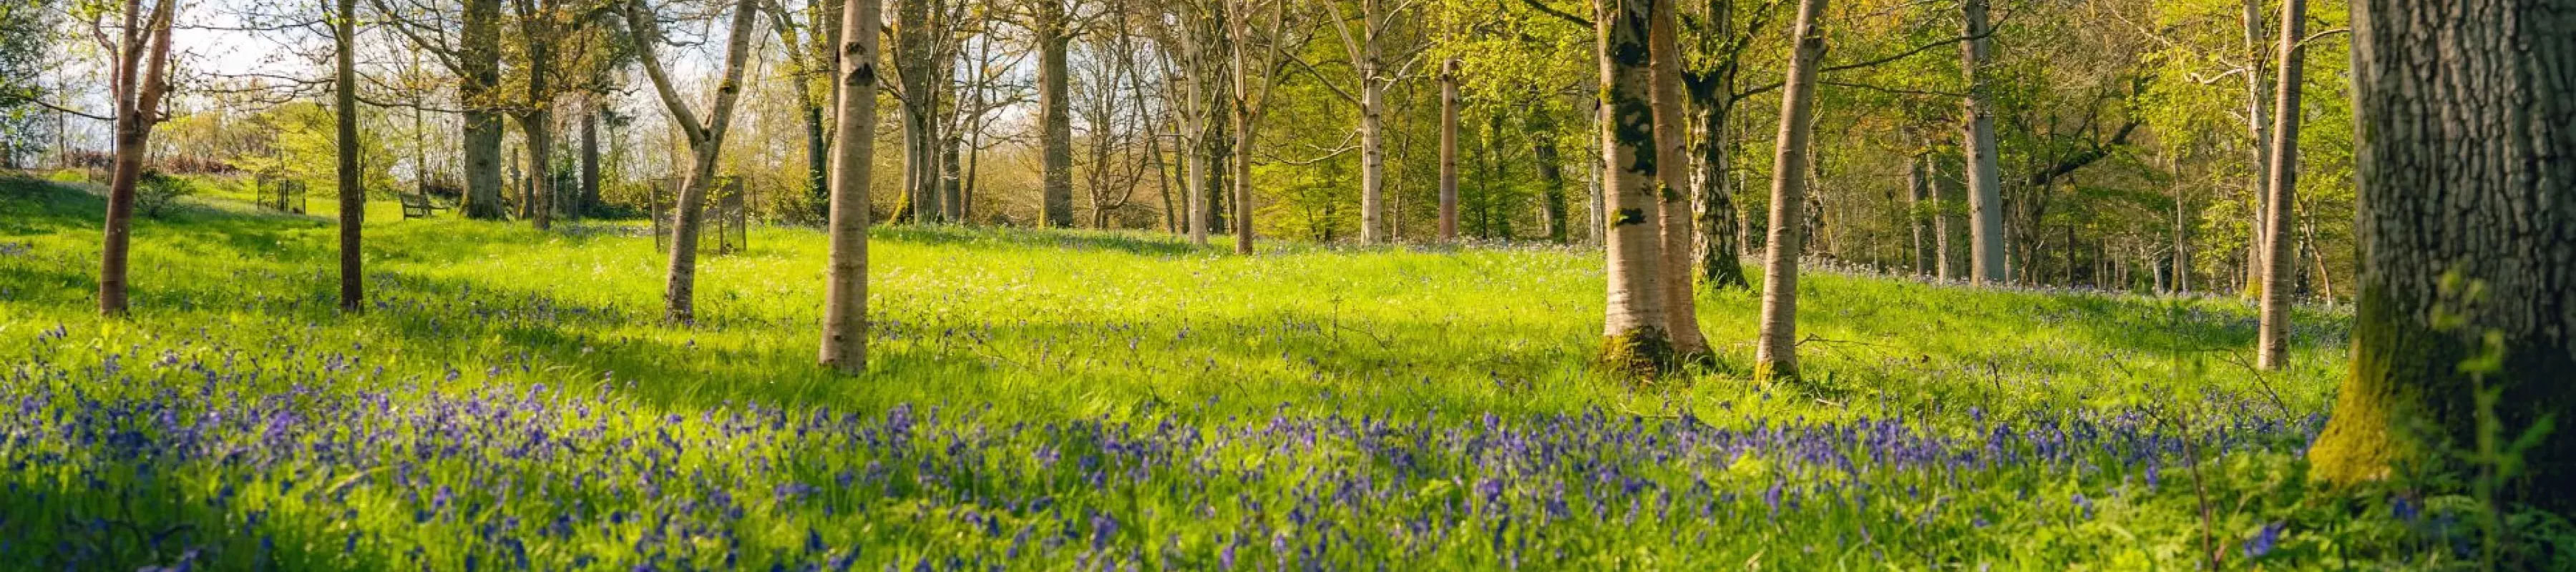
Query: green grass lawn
x=1100, y=400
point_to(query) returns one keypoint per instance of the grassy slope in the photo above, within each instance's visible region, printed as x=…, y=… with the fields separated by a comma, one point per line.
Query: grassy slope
x=1026, y=327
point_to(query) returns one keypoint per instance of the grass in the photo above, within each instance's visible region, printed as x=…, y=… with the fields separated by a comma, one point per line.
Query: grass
x=1100, y=400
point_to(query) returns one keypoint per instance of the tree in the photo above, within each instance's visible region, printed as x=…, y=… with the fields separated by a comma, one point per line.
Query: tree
x=1775, y=353
x=2464, y=333
x=1449, y=150
x=1985, y=178
x=474, y=55
x=1634, y=335
x=1367, y=50
x=2272, y=347
x=1052, y=22
x=705, y=139
x=1672, y=159
x=142, y=55
x=353, y=191
x=845, y=305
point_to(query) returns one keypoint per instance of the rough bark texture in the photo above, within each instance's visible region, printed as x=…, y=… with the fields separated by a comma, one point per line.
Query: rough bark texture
x=1672, y=159
x=141, y=80
x=845, y=300
x=706, y=141
x=353, y=192
x=916, y=66
x=1720, y=247
x=1985, y=179
x=1449, y=150
x=479, y=86
x=1633, y=335
x=2468, y=230
x=1055, y=115
x=1775, y=351
x=2272, y=343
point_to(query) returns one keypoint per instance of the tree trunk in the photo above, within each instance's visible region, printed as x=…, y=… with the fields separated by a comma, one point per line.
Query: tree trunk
x=2465, y=330
x=138, y=109
x=479, y=86
x=1551, y=172
x=1055, y=116
x=353, y=191
x=1918, y=195
x=1775, y=354
x=845, y=300
x=1372, y=153
x=1985, y=180
x=538, y=121
x=1672, y=172
x=1449, y=150
x=2272, y=346
x=1944, y=250
x=2258, y=126
x=1243, y=132
x=589, y=164
x=1633, y=332
x=916, y=66
x=705, y=142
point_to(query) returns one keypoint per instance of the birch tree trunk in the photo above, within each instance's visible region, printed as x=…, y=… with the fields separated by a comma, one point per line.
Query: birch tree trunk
x=1919, y=205
x=2259, y=128
x=2468, y=236
x=1985, y=180
x=845, y=299
x=1634, y=339
x=1775, y=353
x=1672, y=173
x=1449, y=150
x=1720, y=265
x=2272, y=344
x=353, y=191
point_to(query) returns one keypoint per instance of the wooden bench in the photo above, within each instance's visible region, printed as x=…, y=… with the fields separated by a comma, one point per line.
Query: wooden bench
x=419, y=206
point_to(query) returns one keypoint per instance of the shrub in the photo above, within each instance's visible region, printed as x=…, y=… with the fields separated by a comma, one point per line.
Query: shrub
x=157, y=191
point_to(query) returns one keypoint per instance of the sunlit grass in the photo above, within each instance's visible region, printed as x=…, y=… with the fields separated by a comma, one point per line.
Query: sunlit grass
x=1207, y=410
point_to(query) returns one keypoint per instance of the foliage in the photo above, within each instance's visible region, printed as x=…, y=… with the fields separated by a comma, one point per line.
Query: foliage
x=156, y=192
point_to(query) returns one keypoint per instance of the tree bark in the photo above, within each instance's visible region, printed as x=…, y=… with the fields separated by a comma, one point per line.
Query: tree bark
x=1985, y=179
x=1672, y=173
x=706, y=141
x=353, y=192
x=2258, y=127
x=589, y=164
x=845, y=301
x=1449, y=150
x=138, y=109
x=2272, y=344
x=1244, y=135
x=2468, y=235
x=479, y=88
x=537, y=120
x=1918, y=194
x=1634, y=336
x=1551, y=172
x=1367, y=53
x=1055, y=114
x=1775, y=354
x=1720, y=248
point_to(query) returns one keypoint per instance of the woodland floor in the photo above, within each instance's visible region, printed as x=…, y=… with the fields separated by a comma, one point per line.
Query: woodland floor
x=1111, y=400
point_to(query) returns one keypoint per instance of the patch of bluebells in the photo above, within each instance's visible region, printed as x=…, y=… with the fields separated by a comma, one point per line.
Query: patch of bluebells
x=308, y=458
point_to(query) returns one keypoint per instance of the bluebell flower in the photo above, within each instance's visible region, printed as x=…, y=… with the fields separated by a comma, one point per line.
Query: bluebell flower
x=2264, y=540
